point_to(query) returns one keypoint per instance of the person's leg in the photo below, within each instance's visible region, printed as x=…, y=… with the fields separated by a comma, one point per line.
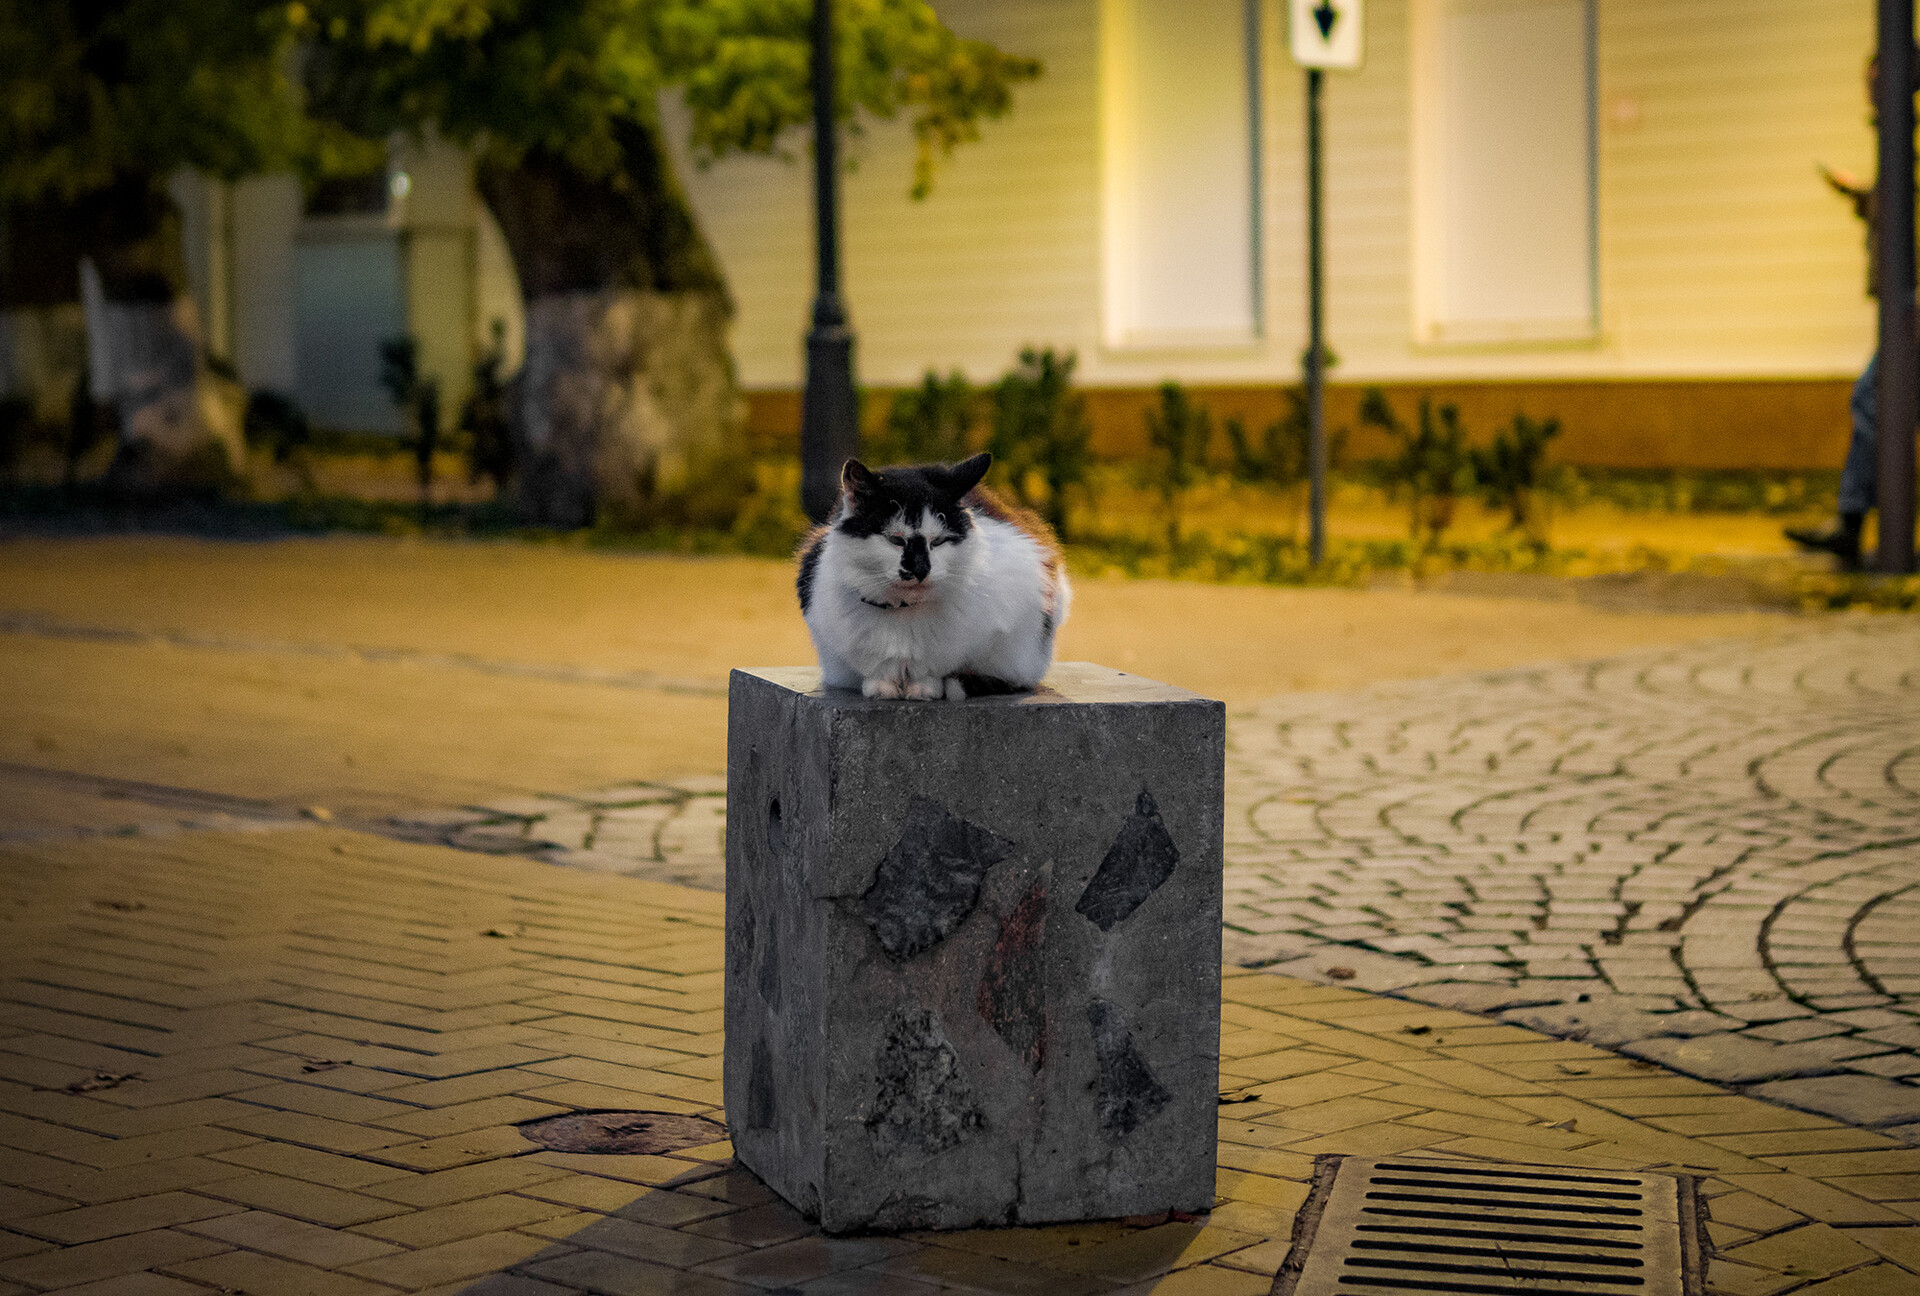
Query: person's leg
x=1859, y=477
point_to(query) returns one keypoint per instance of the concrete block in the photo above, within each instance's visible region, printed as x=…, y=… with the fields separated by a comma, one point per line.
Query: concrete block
x=973, y=949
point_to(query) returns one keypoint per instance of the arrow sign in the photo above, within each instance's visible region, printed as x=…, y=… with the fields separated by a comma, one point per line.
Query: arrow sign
x=1326, y=33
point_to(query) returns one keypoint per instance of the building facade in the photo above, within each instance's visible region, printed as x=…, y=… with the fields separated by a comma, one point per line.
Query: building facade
x=1608, y=211
x=1605, y=210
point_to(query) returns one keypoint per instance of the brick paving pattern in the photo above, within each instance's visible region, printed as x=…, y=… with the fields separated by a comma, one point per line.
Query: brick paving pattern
x=294, y=1060
x=1708, y=857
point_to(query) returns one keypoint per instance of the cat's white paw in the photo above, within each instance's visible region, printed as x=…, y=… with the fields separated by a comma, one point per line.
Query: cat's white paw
x=926, y=690
x=956, y=691
x=880, y=688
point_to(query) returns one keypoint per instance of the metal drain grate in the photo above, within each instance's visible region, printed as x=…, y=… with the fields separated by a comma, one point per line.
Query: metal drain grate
x=1391, y=1226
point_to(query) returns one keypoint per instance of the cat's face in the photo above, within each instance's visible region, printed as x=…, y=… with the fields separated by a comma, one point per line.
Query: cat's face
x=904, y=531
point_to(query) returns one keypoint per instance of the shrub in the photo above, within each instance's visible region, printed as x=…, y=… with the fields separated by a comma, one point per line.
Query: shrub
x=1041, y=430
x=1433, y=467
x=483, y=417
x=1180, y=433
x=931, y=423
x=1508, y=473
x=419, y=400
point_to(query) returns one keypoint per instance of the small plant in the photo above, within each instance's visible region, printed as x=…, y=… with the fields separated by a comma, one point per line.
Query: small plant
x=277, y=424
x=419, y=400
x=1509, y=474
x=1040, y=429
x=88, y=425
x=1180, y=433
x=931, y=423
x=1434, y=465
x=483, y=417
x=1281, y=459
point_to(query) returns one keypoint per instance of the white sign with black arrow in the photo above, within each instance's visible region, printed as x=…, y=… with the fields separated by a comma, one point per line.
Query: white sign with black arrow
x=1326, y=33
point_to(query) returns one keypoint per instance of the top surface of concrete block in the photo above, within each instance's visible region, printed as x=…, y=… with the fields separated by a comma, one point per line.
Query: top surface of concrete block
x=1067, y=684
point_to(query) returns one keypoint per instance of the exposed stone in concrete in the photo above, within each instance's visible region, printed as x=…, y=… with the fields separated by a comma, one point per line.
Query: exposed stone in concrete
x=1140, y=859
x=951, y=1042
x=920, y=1097
x=1129, y=1095
x=930, y=881
x=1011, y=991
x=1855, y=1099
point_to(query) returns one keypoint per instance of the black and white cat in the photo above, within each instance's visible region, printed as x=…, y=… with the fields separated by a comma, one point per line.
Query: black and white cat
x=924, y=585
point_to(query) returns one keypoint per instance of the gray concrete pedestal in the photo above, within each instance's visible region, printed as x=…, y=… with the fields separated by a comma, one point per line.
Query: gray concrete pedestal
x=973, y=949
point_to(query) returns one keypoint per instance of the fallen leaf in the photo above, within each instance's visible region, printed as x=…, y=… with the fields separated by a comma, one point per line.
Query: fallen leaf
x=1418, y=1030
x=1341, y=973
x=320, y=1064
x=102, y=1080
x=318, y=813
x=1565, y=1125
x=119, y=906
x=1228, y=1099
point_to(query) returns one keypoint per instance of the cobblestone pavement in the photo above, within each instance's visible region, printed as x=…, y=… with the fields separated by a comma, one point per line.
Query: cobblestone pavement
x=1708, y=857
x=296, y=1060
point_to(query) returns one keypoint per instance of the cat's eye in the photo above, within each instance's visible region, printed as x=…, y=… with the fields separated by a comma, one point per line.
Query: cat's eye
x=940, y=540
x=898, y=542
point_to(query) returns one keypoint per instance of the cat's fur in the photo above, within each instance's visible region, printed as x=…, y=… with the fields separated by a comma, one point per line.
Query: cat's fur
x=924, y=585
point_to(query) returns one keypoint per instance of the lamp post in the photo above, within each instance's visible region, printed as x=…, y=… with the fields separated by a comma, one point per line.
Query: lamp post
x=1899, y=364
x=829, y=426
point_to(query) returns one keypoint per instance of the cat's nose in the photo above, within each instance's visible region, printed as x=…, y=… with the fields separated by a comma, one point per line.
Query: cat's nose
x=915, y=562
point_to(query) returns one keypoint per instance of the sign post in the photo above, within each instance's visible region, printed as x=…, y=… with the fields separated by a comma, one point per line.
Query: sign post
x=1326, y=34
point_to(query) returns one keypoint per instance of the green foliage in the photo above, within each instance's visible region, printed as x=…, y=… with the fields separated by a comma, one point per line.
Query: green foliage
x=1434, y=466
x=94, y=91
x=564, y=77
x=277, y=423
x=1280, y=457
x=1509, y=472
x=1180, y=434
x=484, y=421
x=1041, y=430
x=931, y=423
x=419, y=400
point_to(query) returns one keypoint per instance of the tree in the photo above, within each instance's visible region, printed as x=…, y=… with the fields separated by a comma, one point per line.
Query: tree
x=100, y=102
x=1040, y=429
x=1180, y=433
x=628, y=385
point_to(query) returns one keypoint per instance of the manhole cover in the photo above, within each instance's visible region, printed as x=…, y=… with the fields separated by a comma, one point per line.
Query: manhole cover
x=1393, y=1225
x=616, y=1132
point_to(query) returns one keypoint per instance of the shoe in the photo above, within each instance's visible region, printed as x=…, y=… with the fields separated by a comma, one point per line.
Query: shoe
x=1841, y=538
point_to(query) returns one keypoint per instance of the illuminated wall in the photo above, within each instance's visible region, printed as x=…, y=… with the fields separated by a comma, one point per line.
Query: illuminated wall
x=1720, y=253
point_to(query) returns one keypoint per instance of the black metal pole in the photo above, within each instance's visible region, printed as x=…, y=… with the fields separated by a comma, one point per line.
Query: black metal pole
x=1899, y=359
x=1316, y=332
x=829, y=419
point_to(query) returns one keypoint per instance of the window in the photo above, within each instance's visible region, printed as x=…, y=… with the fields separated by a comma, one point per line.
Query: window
x=1180, y=154
x=1504, y=173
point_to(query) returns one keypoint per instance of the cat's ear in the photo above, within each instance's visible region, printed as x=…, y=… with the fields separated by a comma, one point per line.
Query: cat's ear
x=857, y=479
x=966, y=474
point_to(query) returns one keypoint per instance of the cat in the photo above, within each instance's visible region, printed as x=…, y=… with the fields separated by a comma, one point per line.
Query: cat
x=924, y=585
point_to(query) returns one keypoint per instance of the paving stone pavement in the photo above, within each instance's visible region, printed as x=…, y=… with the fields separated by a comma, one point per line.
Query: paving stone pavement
x=1707, y=856
x=295, y=1059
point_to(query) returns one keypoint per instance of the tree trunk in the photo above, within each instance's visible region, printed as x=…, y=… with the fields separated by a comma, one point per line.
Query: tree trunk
x=627, y=409
x=179, y=426
x=43, y=340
